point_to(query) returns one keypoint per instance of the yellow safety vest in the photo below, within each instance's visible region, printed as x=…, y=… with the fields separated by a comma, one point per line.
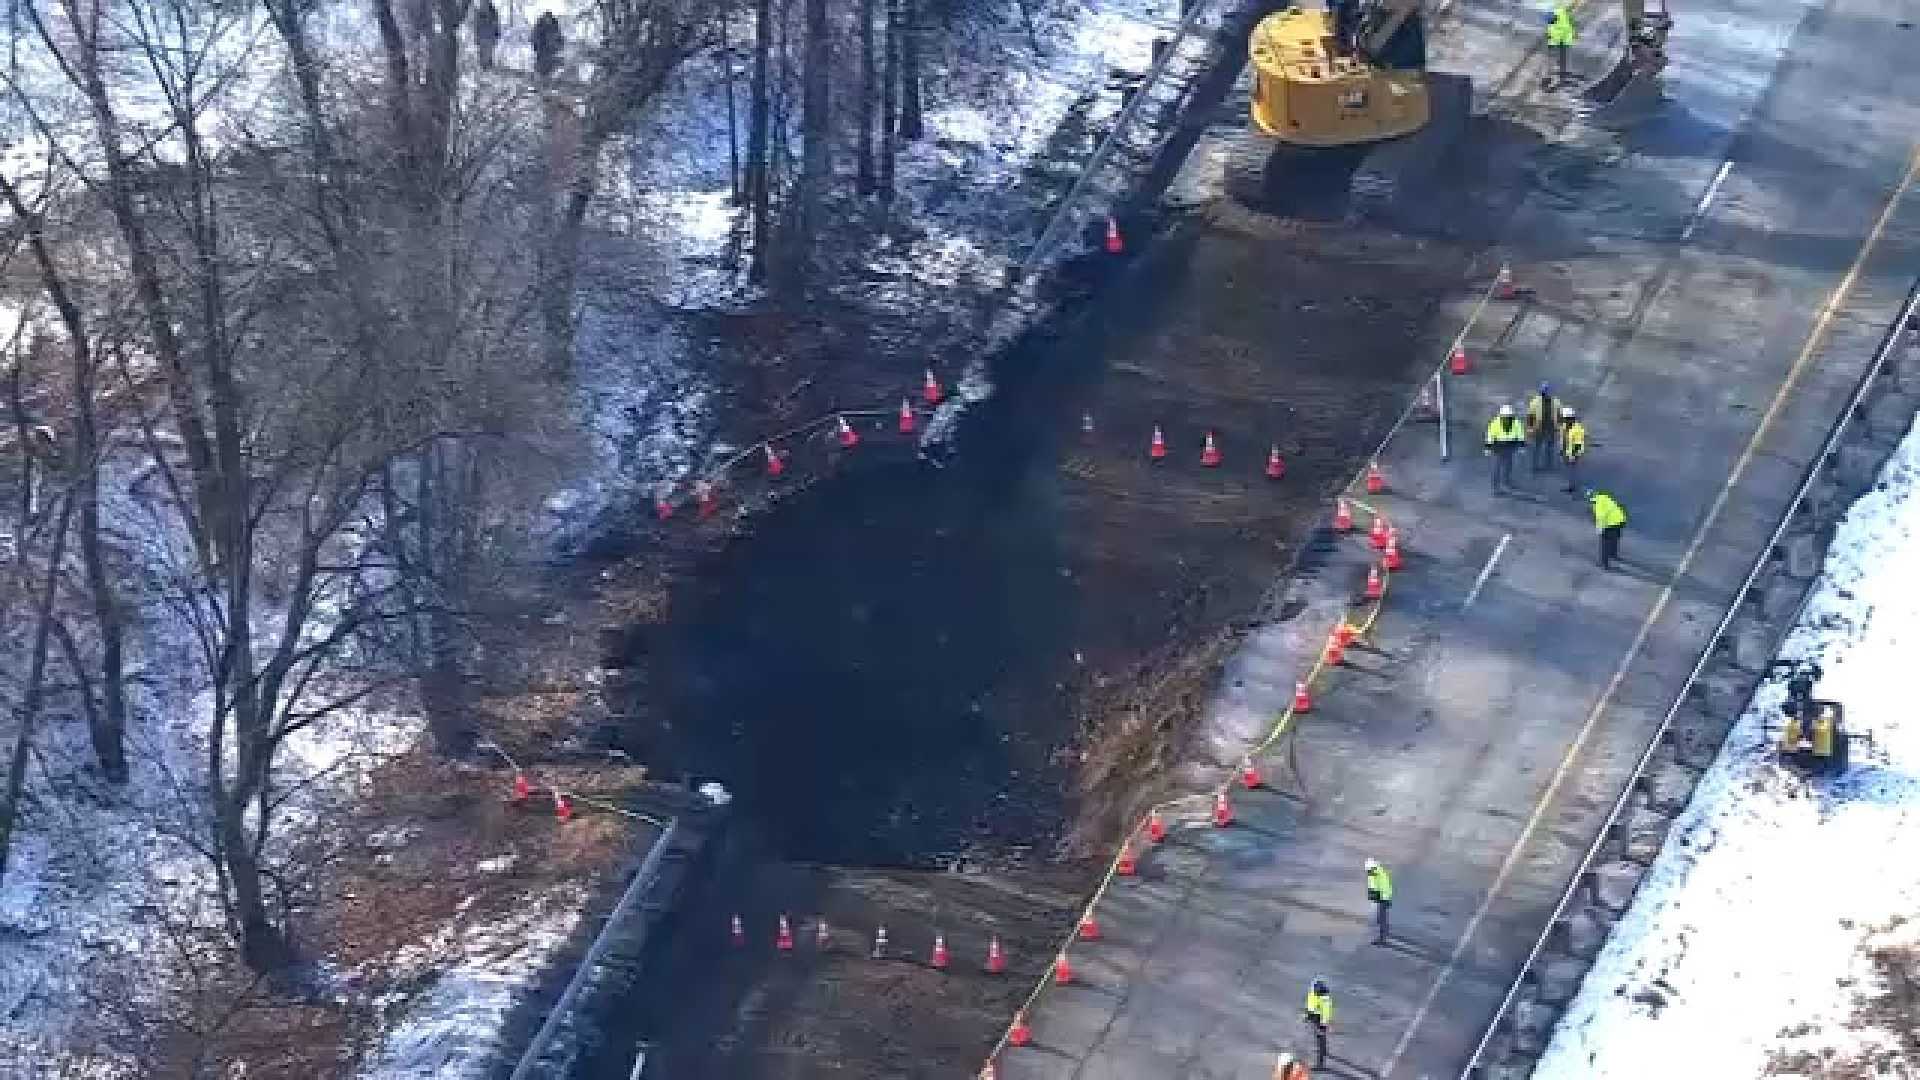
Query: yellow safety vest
x=1380, y=883
x=1321, y=1006
x=1560, y=30
x=1504, y=429
x=1537, y=417
x=1607, y=512
x=1573, y=441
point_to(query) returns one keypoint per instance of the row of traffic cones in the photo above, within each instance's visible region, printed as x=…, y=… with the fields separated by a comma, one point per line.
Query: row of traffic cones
x=939, y=957
x=705, y=497
x=1210, y=455
x=523, y=791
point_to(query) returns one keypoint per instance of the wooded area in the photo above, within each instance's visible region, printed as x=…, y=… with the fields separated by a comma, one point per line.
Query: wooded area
x=299, y=284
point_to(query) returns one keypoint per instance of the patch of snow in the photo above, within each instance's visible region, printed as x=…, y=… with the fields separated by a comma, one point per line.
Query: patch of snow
x=454, y=1027
x=1742, y=950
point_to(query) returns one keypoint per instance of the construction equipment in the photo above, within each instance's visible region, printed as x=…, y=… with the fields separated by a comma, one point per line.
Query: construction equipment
x=1814, y=737
x=1349, y=83
x=1632, y=88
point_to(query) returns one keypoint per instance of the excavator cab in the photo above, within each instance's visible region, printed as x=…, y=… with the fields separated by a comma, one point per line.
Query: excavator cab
x=1631, y=89
x=1813, y=735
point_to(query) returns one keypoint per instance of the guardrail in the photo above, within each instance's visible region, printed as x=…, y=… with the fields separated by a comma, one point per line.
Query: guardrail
x=1892, y=340
x=1050, y=233
x=543, y=1040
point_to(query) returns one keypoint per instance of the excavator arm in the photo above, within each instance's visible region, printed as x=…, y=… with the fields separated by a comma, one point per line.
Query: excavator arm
x=1383, y=19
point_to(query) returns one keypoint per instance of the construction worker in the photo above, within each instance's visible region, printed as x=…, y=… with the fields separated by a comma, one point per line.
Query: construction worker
x=1559, y=39
x=1608, y=518
x=1380, y=891
x=1289, y=1067
x=1542, y=427
x=1505, y=437
x=1319, y=1017
x=1573, y=445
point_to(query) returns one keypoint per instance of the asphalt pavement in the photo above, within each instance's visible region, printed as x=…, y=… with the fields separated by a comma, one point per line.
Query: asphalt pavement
x=1705, y=290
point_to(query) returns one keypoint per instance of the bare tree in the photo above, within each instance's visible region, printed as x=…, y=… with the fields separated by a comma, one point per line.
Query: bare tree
x=816, y=161
x=912, y=120
x=863, y=113
x=107, y=723
x=640, y=44
x=890, y=100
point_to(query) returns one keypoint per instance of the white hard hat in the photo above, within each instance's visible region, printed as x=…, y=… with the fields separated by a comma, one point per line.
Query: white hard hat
x=1373, y=864
x=1506, y=410
x=1566, y=411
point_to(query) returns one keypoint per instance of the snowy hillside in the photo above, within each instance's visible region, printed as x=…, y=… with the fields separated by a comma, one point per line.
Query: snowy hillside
x=1778, y=932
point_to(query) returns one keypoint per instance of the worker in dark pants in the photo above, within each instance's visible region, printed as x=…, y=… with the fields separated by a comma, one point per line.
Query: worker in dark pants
x=1609, y=519
x=1543, y=427
x=1380, y=891
x=1573, y=446
x=1560, y=34
x=1505, y=437
x=1319, y=1017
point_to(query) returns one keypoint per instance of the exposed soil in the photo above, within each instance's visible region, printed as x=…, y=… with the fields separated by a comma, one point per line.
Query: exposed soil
x=916, y=679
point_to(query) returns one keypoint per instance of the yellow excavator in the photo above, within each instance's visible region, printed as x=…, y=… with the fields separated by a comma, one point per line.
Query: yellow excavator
x=1354, y=75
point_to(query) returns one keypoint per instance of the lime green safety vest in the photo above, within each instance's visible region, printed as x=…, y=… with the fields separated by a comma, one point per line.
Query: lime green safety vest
x=1380, y=883
x=1574, y=442
x=1321, y=1006
x=1560, y=30
x=1607, y=512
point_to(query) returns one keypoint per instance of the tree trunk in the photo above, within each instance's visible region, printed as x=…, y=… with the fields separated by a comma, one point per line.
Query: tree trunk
x=107, y=725
x=816, y=159
x=36, y=686
x=912, y=124
x=863, y=115
x=733, y=113
x=890, y=100
x=757, y=119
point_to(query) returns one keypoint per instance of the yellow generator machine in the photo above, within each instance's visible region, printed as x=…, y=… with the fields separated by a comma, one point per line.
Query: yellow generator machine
x=1813, y=735
x=1350, y=75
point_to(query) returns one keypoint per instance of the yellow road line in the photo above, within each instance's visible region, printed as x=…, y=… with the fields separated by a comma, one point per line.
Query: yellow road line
x=1814, y=338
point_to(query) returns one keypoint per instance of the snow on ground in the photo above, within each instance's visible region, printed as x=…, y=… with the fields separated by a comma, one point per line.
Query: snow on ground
x=454, y=1029
x=1746, y=951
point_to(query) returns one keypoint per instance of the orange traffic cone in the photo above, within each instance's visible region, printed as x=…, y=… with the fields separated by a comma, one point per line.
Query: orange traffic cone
x=1302, y=701
x=930, y=391
x=562, y=807
x=1157, y=449
x=703, y=498
x=737, y=930
x=1392, y=559
x=879, y=942
x=1336, y=653
x=1376, y=483
x=775, y=463
x=996, y=956
x=1089, y=926
x=1126, y=866
x=1019, y=1034
x=906, y=417
x=1503, y=283
x=1457, y=360
x=1345, y=633
x=939, y=958
x=1156, y=826
x=1275, y=467
x=1342, y=516
x=783, y=935
x=663, y=503
x=822, y=934
x=522, y=789
x=1062, y=969
x=1210, y=454
x=1375, y=587
x=1222, y=811
x=1249, y=774
x=849, y=438
x=1377, y=536
x=1114, y=244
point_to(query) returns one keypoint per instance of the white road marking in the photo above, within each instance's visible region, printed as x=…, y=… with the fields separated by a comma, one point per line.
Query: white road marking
x=1700, y=209
x=1486, y=572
